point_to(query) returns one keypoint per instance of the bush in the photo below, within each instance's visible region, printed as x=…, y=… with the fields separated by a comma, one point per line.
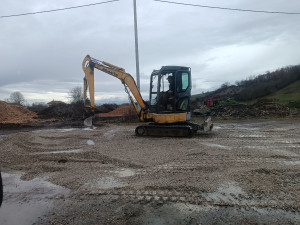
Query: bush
x=294, y=104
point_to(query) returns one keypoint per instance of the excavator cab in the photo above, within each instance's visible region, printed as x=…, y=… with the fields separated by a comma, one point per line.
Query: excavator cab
x=170, y=90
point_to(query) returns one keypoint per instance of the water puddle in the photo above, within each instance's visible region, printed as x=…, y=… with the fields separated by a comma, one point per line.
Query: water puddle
x=292, y=163
x=273, y=150
x=245, y=127
x=66, y=129
x=59, y=152
x=110, y=133
x=2, y=137
x=90, y=128
x=63, y=130
x=226, y=215
x=105, y=182
x=125, y=173
x=229, y=193
x=109, y=182
x=218, y=146
x=251, y=136
x=26, y=201
x=90, y=142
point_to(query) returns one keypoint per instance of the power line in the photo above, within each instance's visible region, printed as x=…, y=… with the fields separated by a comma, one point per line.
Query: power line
x=62, y=9
x=232, y=9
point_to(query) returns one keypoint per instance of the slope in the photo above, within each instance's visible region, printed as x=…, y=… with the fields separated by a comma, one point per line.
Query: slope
x=287, y=94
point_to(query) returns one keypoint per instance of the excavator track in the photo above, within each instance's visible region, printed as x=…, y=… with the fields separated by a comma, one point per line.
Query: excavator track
x=165, y=130
x=184, y=129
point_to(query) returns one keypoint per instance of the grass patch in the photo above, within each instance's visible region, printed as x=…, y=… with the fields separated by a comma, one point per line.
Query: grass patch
x=288, y=94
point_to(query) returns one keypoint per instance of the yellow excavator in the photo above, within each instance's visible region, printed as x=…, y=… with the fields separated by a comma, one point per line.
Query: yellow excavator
x=169, y=108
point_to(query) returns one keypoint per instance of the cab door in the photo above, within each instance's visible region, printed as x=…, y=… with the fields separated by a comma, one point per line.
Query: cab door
x=183, y=90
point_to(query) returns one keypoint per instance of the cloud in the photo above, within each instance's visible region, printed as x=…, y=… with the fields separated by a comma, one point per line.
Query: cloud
x=41, y=55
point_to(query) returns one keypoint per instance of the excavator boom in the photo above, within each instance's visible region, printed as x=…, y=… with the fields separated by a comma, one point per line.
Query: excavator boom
x=127, y=80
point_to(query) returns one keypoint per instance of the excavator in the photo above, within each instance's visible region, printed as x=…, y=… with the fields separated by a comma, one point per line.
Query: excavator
x=168, y=109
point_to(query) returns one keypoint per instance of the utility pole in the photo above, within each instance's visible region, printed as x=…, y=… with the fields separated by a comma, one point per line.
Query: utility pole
x=136, y=46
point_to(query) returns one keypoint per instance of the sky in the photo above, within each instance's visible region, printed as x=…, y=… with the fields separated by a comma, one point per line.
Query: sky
x=41, y=54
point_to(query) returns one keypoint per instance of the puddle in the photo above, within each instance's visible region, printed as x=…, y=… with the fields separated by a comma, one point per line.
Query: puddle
x=293, y=146
x=2, y=137
x=105, y=182
x=292, y=163
x=90, y=128
x=218, y=146
x=110, y=133
x=125, y=173
x=59, y=152
x=26, y=201
x=272, y=149
x=62, y=130
x=225, y=215
x=228, y=194
x=251, y=135
x=90, y=142
x=290, y=141
x=109, y=182
x=245, y=127
x=36, y=131
x=66, y=129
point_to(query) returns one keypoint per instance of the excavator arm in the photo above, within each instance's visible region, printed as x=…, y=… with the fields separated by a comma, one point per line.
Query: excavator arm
x=127, y=80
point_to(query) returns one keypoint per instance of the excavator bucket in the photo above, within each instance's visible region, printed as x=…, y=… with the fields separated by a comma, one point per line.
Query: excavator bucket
x=207, y=125
x=88, y=121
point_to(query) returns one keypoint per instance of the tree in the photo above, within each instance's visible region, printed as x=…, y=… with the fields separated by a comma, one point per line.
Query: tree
x=76, y=95
x=17, y=97
x=225, y=85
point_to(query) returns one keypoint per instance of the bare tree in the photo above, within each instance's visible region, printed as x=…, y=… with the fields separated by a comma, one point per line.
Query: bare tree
x=17, y=97
x=76, y=95
x=225, y=85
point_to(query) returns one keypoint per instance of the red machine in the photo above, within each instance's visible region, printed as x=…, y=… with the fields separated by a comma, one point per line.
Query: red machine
x=212, y=101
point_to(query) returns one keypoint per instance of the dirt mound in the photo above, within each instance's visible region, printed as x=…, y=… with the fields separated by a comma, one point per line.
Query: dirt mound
x=269, y=108
x=123, y=110
x=14, y=113
x=259, y=109
x=105, y=108
x=63, y=111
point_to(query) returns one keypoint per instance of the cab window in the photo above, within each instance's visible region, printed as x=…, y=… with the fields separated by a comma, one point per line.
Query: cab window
x=182, y=81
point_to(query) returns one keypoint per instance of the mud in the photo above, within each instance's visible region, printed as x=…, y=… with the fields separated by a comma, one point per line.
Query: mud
x=244, y=172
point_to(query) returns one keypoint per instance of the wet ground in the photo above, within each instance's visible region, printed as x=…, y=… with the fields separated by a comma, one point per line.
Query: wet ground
x=244, y=172
x=26, y=201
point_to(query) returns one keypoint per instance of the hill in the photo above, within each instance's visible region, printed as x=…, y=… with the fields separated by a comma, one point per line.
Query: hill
x=282, y=85
x=291, y=93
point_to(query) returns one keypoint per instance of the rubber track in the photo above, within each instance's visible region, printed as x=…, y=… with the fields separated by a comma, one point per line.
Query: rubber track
x=170, y=130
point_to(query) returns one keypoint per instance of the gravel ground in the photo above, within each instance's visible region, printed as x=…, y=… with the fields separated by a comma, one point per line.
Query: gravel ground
x=244, y=172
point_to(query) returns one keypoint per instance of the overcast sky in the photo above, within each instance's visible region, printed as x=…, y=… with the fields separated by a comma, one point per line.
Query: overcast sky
x=41, y=55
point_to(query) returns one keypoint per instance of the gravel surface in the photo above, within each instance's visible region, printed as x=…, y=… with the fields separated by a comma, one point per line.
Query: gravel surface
x=244, y=172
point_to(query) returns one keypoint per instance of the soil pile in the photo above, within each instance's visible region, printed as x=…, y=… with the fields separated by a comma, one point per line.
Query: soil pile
x=64, y=111
x=262, y=108
x=123, y=110
x=269, y=108
x=14, y=113
x=105, y=108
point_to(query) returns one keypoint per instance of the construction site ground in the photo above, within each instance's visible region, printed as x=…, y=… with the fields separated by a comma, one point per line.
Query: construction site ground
x=243, y=172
